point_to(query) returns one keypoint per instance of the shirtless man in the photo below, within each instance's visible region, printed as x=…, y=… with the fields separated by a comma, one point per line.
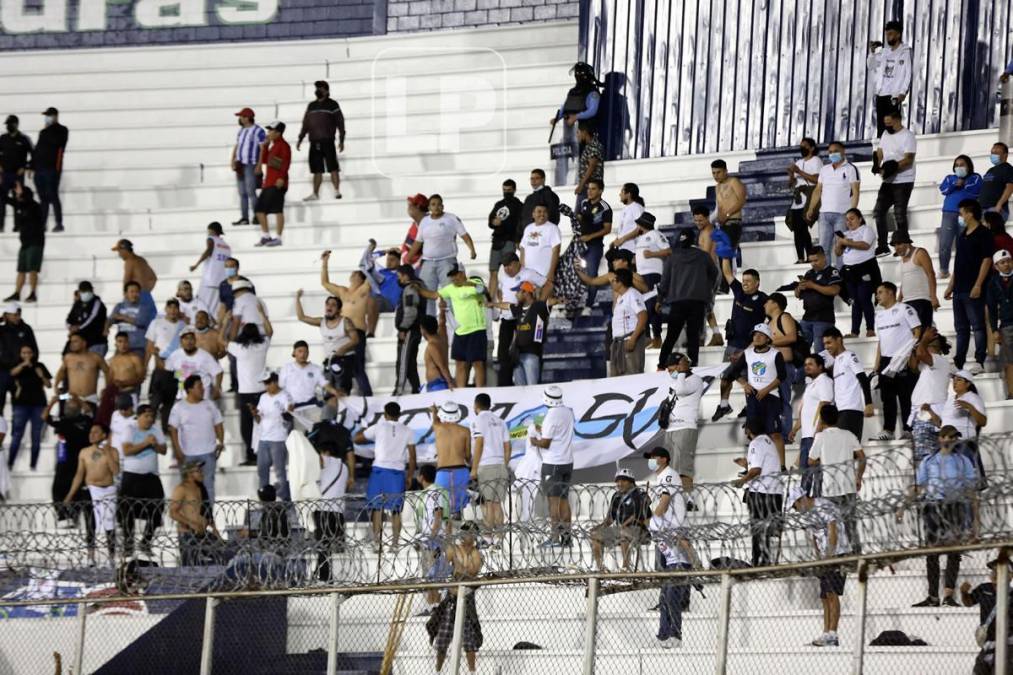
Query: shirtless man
x=705, y=242
x=135, y=268
x=126, y=369
x=354, y=297
x=465, y=560
x=209, y=339
x=435, y=356
x=186, y=507
x=340, y=339
x=786, y=335
x=731, y=197
x=81, y=368
x=453, y=455
x=97, y=468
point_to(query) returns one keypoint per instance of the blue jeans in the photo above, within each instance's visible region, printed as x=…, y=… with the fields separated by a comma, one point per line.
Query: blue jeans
x=273, y=453
x=949, y=230
x=47, y=186
x=829, y=223
x=784, y=389
x=673, y=597
x=812, y=332
x=968, y=316
x=808, y=473
x=23, y=414
x=527, y=370
x=595, y=252
x=208, y=471
x=433, y=274
x=247, y=184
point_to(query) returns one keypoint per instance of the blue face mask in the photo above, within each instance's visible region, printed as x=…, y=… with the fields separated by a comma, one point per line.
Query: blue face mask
x=960, y=221
x=652, y=464
x=835, y=157
x=86, y=296
x=960, y=171
x=230, y=272
x=994, y=159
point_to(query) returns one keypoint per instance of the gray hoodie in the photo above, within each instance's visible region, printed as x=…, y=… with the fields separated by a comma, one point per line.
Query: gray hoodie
x=689, y=274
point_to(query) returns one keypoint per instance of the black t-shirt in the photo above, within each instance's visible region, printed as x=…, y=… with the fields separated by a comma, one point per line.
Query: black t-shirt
x=984, y=595
x=816, y=306
x=972, y=248
x=994, y=183
x=75, y=431
x=529, y=335
x=747, y=311
x=28, y=386
x=52, y=140
x=510, y=229
x=14, y=151
x=633, y=504
x=592, y=218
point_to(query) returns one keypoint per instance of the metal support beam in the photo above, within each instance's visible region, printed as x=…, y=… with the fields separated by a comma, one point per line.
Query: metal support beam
x=724, y=617
x=591, y=626
x=455, y=644
x=858, y=655
x=332, y=634
x=208, y=642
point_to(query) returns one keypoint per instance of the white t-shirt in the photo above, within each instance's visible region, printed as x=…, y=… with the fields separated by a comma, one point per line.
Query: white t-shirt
x=817, y=390
x=894, y=326
x=835, y=195
x=250, y=362
x=145, y=461
x=761, y=367
x=558, y=427
x=811, y=165
x=195, y=423
x=762, y=454
x=854, y=256
x=847, y=391
x=163, y=334
x=951, y=413
x=628, y=223
x=189, y=310
x=625, y=311
x=439, y=236
x=214, y=266
x=894, y=147
x=390, y=444
x=537, y=243
x=667, y=482
x=823, y=513
x=688, y=389
x=836, y=448
x=121, y=428
x=273, y=427
x=932, y=385
x=507, y=283
x=246, y=307
x=301, y=382
x=333, y=482
x=491, y=428
x=652, y=240
x=199, y=363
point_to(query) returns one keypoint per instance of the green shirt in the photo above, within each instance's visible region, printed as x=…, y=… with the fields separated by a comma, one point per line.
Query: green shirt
x=469, y=307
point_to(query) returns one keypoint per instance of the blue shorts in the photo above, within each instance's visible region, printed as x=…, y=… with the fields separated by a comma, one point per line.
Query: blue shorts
x=455, y=481
x=385, y=490
x=470, y=348
x=768, y=410
x=439, y=384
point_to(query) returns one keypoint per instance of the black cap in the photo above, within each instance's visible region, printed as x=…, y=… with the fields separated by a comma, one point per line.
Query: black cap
x=674, y=358
x=322, y=84
x=11, y=119
x=50, y=111
x=646, y=219
x=657, y=452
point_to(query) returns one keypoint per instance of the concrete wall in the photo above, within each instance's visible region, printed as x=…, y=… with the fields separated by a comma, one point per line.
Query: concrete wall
x=416, y=15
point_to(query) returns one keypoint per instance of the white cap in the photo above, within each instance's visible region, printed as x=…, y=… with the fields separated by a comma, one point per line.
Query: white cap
x=794, y=494
x=12, y=307
x=449, y=412
x=625, y=473
x=241, y=285
x=1001, y=254
x=552, y=396
x=964, y=375
x=267, y=374
x=763, y=328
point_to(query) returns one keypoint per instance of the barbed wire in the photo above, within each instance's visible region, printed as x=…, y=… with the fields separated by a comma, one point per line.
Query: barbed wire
x=307, y=544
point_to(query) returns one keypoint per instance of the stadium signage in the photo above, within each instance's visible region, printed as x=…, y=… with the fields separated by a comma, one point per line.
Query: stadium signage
x=54, y=16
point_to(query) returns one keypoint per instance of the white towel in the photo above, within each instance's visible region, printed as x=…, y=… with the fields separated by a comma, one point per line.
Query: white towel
x=898, y=362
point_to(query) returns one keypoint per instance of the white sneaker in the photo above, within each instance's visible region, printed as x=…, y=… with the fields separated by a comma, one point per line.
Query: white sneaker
x=883, y=436
x=975, y=369
x=670, y=643
x=310, y=198
x=826, y=640
x=337, y=195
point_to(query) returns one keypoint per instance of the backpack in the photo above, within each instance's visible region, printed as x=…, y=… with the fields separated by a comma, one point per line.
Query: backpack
x=665, y=410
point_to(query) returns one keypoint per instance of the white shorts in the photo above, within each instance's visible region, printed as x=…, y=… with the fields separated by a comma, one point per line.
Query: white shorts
x=103, y=504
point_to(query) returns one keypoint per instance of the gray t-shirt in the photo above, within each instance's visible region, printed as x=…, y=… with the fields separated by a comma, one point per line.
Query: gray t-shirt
x=145, y=461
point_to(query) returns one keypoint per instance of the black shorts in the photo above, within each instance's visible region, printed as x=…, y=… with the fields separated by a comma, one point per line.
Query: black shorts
x=470, y=348
x=556, y=479
x=832, y=581
x=323, y=157
x=271, y=200
x=768, y=410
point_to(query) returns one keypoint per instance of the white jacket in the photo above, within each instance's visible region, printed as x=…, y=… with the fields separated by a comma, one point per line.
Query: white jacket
x=891, y=70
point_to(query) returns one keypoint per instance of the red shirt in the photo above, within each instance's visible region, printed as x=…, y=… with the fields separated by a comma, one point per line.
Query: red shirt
x=413, y=233
x=278, y=157
x=1003, y=240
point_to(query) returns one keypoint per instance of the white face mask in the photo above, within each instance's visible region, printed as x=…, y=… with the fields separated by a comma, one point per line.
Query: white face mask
x=652, y=464
x=50, y=120
x=86, y=296
x=961, y=171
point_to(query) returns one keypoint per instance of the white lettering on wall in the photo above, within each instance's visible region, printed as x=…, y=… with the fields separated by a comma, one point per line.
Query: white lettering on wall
x=91, y=15
x=15, y=18
x=169, y=13
x=251, y=11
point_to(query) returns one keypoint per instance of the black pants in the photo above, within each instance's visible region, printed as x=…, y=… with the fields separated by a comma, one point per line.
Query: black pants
x=923, y=308
x=246, y=423
x=329, y=533
x=140, y=497
x=504, y=364
x=765, y=524
x=944, y=523
x=891, y=196
x=883, y=105
x=853, y=421
x=800, y=231
x=361, y=378
x=162, y=393
x=408, y=362
x=691, y=315
x=654, y=319
x=895, y=391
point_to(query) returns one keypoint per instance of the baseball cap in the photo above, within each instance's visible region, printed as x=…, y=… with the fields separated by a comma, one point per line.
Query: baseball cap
x=675, y=358
x=763, y=328
x=245, y=112
x=449, y=412
x=322, y=83
x=50, y=111
x=794, y=494
x=277, y=125
x=11, y=119
x=964, y=375
x=241, y=285
x=458, y=268
x=267, y=375
x=625, y=473
x=418, y=200
x=552, y=396
x=188, y=330
x=646, y=219
x=1001, y=254
x=525, y=286
x=657, y=452
x=12, y=307
x=124, y=244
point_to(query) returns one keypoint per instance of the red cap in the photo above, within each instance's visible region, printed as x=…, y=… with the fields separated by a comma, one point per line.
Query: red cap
x=419, y=200
x=245, y=112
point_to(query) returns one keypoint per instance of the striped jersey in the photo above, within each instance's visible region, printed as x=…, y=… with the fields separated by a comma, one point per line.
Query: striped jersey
x=248, y=142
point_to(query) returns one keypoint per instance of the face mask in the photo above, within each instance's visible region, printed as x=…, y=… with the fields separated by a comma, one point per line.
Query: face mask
x=992, y=158
x=836, y=157
x=507, y=195
x=804, y=151
x=86, y=296
x=652, y=464
x=320, y=93
x=960, y=221
x=231, y=271
x=50, y=120
x=891, y=130
x=961, y=171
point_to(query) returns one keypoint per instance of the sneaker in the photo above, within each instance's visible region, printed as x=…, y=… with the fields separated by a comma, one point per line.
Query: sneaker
x=424, y=612
x=13, y=297
x=944, y=275
x=742, y=414
x=826, y=640
x=337, y=195
x=31, y=298
x=716, y=341
x=883, y=436
x=249, y=462
x=263, y=241
x=927, y=602
x=722, y=410
x=241, y=221
x=670, y=643
x=950, y=601
x=976, y=369
x=273, y=241
x=906, y=436
x=311, y=198
x=880, y=252
x=58, y=228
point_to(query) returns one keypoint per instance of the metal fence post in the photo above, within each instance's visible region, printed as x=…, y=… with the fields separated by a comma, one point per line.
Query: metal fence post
x=455, y=644
x=724, y=617
x=332, y=635
x=82, y=620
x=858, y=656
x=1001, y=612
x=591, y=626
x=208, y=641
